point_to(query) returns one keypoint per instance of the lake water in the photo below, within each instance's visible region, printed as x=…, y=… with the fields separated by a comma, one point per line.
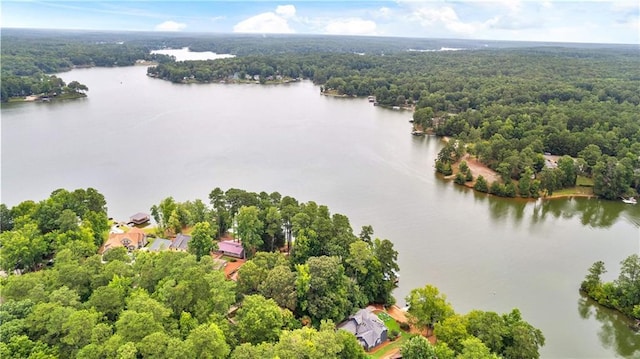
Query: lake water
x=185, y=54
x=138, y=140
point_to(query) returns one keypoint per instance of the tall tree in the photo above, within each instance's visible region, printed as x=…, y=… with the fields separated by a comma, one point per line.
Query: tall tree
x=201, y=243
x=418, y=347
x=427, y=306
x=259, y=320
x=208, y=342
x=250, y=228
x=328, y=294
x=272, y=224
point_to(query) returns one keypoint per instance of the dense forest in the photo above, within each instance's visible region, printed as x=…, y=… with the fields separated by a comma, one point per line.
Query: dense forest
x=306, y=271
x=622, y=294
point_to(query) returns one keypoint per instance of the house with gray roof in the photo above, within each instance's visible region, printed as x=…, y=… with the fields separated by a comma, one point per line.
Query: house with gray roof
x=367, y=327
x=180, y=243
x=160, y=244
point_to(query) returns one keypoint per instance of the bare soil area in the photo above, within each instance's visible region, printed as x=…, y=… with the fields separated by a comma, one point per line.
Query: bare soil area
x=478, y=169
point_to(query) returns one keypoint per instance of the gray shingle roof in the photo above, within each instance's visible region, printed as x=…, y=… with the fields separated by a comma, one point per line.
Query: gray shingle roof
x=181, y=242
x=160, y=244
x=367, y=327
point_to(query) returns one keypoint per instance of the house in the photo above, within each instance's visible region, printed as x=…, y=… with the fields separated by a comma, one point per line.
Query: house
x=159, y=244
x=180, y=243
x=139, y=218
x=231, y=249
x=134, y=239
x=367, y=327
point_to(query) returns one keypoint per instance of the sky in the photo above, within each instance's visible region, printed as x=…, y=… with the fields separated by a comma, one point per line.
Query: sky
x=616, y=21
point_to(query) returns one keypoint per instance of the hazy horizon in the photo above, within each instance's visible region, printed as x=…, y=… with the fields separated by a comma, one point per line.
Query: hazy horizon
x=597, y=22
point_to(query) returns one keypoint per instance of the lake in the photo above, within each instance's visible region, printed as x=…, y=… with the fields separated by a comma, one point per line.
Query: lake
x=138, y=140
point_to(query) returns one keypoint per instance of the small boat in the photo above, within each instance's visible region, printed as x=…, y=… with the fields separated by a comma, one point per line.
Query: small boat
x=629, y=200
x=417, y=133
x=371, y=99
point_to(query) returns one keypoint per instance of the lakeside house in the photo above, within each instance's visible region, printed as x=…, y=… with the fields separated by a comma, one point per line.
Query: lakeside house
x=134, y=239
x=159, y=245
x=231, y=249
x=367, y=327
x=139, y=218
x=180, y=243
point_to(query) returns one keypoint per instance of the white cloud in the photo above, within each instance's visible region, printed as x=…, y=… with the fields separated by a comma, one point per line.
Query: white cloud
x=446, y=16
x=547, y=4
x=514, y=6
x=622, y=5
x=264, y=23
x=352, y=26
x=286, y=11
x=170, y=26
x=383, y=12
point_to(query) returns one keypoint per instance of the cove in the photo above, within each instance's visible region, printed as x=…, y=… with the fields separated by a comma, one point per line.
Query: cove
x=138, y=140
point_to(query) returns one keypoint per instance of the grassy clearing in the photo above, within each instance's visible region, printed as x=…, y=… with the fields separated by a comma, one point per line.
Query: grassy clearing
x=389, y=322
x=573, y=191
x=398, y=343
x=582, y=181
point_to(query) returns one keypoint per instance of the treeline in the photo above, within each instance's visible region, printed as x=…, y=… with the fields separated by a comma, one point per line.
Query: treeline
x=172, y=305
x=31, y=233
x=622, y=294
x=363, y=269
x=478, y=334
x=29, y=57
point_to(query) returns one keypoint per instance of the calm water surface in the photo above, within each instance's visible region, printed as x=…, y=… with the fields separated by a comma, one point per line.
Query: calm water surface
x=138, y=139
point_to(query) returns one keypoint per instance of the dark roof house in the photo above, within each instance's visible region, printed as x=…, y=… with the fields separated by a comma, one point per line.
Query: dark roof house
x=180, y=243
x=367, y=327
x=231, y=248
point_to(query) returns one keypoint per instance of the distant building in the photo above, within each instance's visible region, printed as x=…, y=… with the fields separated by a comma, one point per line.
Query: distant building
x=139, y=218
x=231, y=249
x=367, y=327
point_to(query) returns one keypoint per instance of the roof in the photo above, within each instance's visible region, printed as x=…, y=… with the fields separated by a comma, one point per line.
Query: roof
x=230, y=247
x=134, y=238
x=366, y=326
x=139, y=217
x=181, y=242
x=159, y=244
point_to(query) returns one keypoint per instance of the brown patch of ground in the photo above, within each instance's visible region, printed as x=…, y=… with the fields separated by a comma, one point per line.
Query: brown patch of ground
x=231, y=269
x=477, y=168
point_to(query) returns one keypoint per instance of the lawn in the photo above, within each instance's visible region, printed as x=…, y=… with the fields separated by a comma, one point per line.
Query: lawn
x=398, y=343
x=389, y=322
x=574, y=191
x=584, y=181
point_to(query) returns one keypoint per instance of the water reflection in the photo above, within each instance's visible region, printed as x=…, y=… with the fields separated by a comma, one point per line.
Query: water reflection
x=591, y=212
x=614, y=332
